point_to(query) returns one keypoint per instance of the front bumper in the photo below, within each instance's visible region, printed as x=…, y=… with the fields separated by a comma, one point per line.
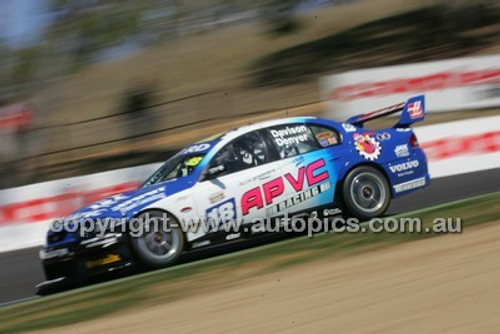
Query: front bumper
x=84, y=258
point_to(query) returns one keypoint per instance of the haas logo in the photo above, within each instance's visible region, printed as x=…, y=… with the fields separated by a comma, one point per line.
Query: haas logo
x=415, y=109
x=367, y=146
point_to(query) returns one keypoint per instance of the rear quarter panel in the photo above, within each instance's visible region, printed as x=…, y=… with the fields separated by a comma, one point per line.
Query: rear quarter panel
x=389, y=151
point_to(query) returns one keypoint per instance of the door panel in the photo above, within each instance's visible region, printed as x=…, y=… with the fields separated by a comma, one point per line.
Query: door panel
x=309, y=165
x=238, y=191
x=309, y=181
x=239, y=195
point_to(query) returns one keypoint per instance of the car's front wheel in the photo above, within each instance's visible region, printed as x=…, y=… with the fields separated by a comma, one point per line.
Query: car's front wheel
x=158, y=241
x=366, y=193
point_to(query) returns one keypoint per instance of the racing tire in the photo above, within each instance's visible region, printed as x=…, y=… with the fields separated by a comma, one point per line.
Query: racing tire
x=366, y=194
x=158, y=246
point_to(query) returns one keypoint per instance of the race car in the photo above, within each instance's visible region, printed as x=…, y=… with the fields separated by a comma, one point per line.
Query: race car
x=286, y=167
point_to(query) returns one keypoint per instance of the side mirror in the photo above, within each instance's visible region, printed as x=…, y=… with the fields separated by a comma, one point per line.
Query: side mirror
x=216, y=170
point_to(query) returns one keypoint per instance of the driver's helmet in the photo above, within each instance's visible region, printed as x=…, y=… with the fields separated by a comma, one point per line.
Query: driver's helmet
x=244, y=152
x=190, y=164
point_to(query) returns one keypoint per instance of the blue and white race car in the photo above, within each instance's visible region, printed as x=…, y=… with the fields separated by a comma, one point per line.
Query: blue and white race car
x=285, y=167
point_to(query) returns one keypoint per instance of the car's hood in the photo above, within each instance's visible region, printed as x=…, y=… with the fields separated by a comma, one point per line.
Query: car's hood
x=127, y=204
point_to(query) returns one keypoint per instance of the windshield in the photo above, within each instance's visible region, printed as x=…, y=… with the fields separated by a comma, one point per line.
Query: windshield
x=176, y=167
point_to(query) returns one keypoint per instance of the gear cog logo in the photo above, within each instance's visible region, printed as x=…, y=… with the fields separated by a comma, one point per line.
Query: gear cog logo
x=367, y=146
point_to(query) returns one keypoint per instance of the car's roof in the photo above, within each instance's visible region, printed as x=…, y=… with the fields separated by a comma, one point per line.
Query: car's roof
x=287, y=120
x=221, y=139
x=231, y=134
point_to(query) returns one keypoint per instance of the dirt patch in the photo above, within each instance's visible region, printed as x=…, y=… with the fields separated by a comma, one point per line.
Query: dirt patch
x=444, y=284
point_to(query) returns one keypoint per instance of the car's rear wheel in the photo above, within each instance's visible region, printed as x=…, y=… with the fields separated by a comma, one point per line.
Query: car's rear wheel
x=159, y=241
x=366, y=193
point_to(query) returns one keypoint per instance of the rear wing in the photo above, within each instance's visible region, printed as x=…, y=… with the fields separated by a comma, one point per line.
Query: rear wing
x=413, y=110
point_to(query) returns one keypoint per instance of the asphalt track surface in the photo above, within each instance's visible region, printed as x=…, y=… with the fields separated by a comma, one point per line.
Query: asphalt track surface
x=21, y=270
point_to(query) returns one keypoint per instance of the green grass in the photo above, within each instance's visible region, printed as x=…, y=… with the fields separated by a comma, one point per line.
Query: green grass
x=171, y=284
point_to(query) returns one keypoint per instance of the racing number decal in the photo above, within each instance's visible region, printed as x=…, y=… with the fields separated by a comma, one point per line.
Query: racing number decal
x=222, y=212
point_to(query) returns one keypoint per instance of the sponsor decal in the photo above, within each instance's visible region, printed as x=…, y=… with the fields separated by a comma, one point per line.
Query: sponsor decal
x=108, y=202
x=111, y=258
x=405, y=168
x=403, y=129
x=233, y=236
x=328, y=142
x=197, y=148
x=260, y=177
x=324, y=142
x=420, y=182
x=331, y=212
x=215, y=197
x=99, y=207
x=324, y=135
x=266, y=193
x=367, y=146
x=402, y=151
x=84, y=215
x=147, y=197
x=245, y=182
x=415, y=109
x=383, y=136
x=348, y=127
x=290, y=135
x=298, y=198
x=264, y=175
x=49, y=254
x=298, y=160
x=326, y=139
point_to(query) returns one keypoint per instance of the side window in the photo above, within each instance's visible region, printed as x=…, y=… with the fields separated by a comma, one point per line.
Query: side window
x=292, y=139
x=244, y=152
x=326, y=136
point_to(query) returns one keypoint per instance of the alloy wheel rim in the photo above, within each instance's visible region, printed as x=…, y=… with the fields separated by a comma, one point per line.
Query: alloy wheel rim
x=368, y=192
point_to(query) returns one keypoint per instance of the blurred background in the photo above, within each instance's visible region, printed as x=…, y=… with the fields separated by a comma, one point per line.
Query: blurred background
x=93, y=85
x=95, y=94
